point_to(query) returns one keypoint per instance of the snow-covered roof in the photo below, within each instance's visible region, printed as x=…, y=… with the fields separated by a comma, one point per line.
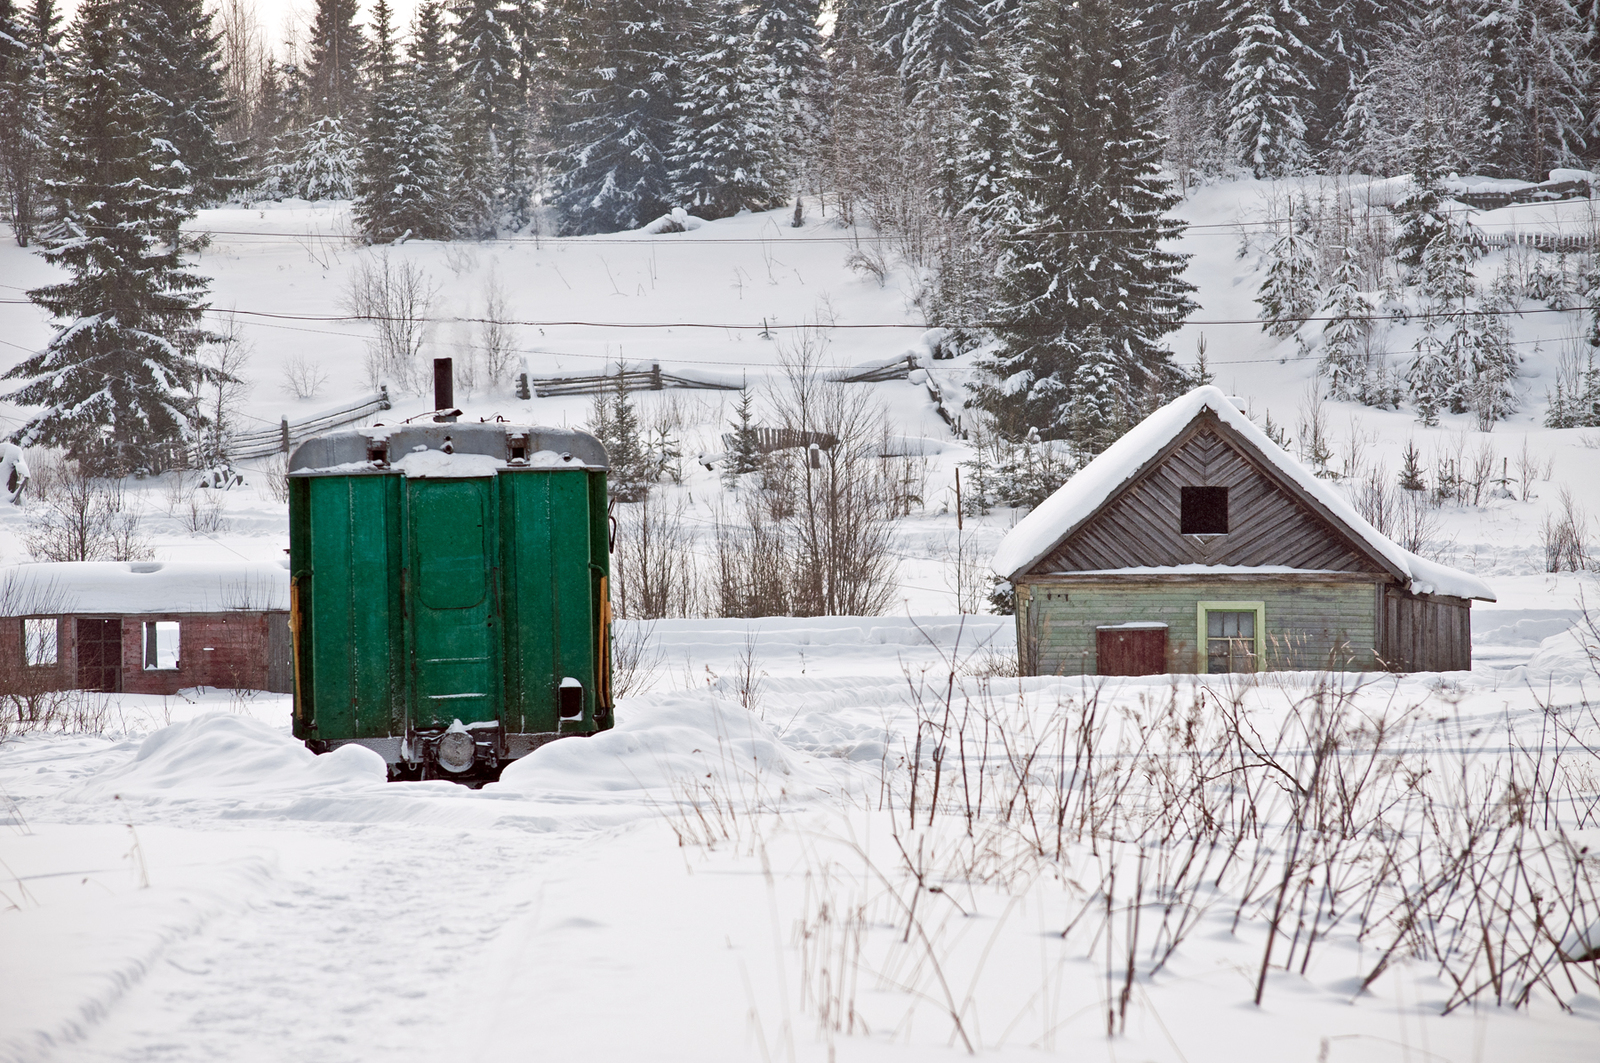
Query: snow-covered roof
x=124, y=587
x=1058, y=516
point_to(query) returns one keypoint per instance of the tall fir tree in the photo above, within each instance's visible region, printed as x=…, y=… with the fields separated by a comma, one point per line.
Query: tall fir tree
x=786, y=34
x=178, y=58
x=615, y=111
x=115, y=384
x=402, y=182
x=30, y=54
x=1344, y=335
x=728, y=152
x=336, y=64
x=490, y=115
x=936, y=41
x=1081, y=244
x=1268, y=85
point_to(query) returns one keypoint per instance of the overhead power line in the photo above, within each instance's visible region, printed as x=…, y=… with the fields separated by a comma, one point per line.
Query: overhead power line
x=740, y=326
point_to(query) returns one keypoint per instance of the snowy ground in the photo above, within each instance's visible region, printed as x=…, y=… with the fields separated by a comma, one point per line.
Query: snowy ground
x=208, y=890
x=722, y=876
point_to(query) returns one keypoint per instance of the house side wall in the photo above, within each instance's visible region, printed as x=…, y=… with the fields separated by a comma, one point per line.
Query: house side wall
x=1425, y=633
x=214, y=650
x=1266, y=525
x=1308, y=625
x=16, y=676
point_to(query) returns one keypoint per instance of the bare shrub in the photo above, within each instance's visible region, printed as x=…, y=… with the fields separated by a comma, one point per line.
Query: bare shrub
x=303, y=377
x=77, y=517
x=654, y=573
x=275, y=478
x=396, y=295
x=1564, y=535
x=635, y=657
x=1376, y=502
x=495, y=340
x=223, y=388
x=1416, y=523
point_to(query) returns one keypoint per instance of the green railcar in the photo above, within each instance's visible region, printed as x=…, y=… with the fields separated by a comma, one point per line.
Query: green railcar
x=449, y=597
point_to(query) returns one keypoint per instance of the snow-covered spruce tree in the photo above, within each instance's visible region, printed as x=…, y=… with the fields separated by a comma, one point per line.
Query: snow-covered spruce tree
x=727, y=155
x=1425, y=86
x=29, y=42
x=936, y=40
x=317, y=161
x=616, y=424
x=1344, y=336
x=490, y=111
x=402, y=182
x=334, y=72
x=1538, y=75
x=1080, y=246
x=744, y=456
x=1288, y=294
x=974, y=164
x=1422, y=214
x=1345, y=34
x=1100, y=407
x=116, y=384
x=615, y=111
x=1490, y=390
x=177, y=54
x=1268, y=86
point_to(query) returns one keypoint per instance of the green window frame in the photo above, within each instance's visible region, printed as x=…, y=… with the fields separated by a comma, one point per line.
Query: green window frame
x=1204, y=639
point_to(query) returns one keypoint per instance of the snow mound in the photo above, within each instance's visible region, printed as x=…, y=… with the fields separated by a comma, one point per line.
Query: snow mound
x=222, y=755
x=659, y=743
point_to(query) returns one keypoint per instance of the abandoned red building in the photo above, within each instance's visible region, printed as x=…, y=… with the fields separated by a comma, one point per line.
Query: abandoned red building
x=145, y=627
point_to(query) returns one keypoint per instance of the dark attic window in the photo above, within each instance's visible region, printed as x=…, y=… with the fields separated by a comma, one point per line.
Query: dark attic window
x=1204, y=511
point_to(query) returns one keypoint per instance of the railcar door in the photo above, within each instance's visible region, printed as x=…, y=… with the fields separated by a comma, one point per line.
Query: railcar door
x=454, y=626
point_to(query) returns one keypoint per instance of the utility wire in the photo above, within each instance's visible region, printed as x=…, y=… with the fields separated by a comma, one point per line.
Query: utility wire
x=734, y=326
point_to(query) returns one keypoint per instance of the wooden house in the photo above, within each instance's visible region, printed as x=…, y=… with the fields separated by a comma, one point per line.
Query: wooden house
x=1196, y=544
x=144, y=627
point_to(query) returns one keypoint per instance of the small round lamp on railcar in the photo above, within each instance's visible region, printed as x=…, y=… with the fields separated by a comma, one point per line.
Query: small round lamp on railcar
x=449, y=593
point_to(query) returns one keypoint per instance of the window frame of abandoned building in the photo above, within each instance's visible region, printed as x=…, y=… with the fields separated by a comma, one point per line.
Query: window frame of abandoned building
x=41, y=641
x=160, y=641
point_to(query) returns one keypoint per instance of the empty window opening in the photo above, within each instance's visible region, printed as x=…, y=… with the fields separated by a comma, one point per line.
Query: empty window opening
x=39, y=644
x=160, y=645
x=1204, y=511
x=1230, y=642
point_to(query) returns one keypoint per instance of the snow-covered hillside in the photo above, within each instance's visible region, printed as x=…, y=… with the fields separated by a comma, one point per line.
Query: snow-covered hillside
x=748, y=867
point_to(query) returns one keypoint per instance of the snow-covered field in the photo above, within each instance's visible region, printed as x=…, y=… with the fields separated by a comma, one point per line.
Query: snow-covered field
x=734, y=872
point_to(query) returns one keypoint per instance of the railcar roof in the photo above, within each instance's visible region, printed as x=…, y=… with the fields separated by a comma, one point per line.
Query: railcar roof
x=475, y=449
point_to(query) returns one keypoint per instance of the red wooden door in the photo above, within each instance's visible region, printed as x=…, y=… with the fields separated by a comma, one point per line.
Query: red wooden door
x=1131, y=650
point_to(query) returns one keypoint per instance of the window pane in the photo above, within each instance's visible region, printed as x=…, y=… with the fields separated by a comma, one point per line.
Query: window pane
x=161, y=644
x=39, y=640
x=1230, y=641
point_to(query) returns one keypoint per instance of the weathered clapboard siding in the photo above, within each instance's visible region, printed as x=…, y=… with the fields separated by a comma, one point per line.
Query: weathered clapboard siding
x=1425, y=633
x=1268, y=525
x=1309, y=624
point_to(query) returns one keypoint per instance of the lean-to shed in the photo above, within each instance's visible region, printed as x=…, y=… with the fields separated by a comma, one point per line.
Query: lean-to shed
x=1196, y=544
x=144, y=627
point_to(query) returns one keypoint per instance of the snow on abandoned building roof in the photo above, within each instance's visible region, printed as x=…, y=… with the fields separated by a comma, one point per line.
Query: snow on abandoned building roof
x=1058, y=516
x=135, y=587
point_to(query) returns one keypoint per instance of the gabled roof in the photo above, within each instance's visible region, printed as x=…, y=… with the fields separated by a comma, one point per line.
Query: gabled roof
x=133, y=587
x=1080, y=498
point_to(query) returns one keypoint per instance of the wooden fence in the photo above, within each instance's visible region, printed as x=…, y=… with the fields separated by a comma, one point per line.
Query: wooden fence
x=655, y=379
x=266, y=441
